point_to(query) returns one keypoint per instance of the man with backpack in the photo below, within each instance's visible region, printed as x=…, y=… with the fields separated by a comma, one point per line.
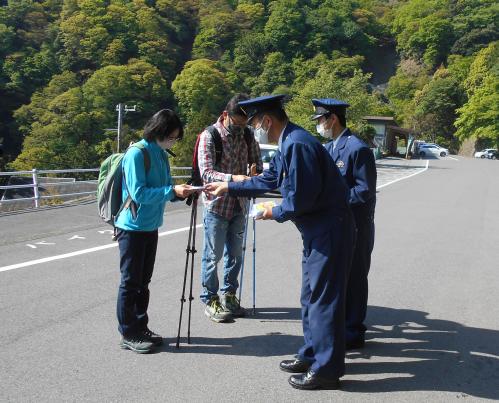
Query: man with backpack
x=225, y=151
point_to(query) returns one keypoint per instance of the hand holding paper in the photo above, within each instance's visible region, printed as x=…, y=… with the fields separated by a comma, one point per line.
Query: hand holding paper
x=216, y=188
x=262, y=211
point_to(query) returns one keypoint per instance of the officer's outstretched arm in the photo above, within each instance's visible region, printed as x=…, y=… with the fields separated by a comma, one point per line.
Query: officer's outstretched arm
x=257, y=185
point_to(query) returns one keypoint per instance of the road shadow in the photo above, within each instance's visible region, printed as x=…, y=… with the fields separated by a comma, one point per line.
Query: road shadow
x=412, y=352
x=423, y=354
x=266, y=345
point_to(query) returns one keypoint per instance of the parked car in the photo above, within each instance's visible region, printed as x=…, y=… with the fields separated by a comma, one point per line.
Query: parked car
x=493, y=155
x=267, y=151
x=484, y=153
x=432, y=149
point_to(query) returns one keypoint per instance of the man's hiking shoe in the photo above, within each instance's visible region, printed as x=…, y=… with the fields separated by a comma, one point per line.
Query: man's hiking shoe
x=216, y=312
x=231, y=304
x=140, y=344
x=156, y=339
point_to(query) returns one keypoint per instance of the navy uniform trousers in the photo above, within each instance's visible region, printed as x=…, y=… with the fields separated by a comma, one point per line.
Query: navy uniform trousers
x=358, y=290
x=357, y=166
x=325, y=265
x=315, y=198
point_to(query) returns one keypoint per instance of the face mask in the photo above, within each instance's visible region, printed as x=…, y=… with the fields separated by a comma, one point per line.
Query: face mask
x=326, y=133
x=262, y=135
x=235, y=130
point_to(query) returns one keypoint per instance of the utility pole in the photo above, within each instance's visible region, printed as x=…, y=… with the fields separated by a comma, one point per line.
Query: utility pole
x=122, y=109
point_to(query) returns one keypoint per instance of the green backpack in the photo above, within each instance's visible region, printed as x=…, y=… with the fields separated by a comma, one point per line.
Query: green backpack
x=109, y=194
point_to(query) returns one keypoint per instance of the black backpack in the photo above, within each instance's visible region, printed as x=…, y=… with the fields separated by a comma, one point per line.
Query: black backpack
x=196, y=179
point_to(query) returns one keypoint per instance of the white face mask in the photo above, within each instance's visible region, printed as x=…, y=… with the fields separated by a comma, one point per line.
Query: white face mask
x=262, y=135
x=326, y=133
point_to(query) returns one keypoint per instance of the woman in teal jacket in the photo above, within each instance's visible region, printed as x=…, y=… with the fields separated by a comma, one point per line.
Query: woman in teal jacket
x=137, y=226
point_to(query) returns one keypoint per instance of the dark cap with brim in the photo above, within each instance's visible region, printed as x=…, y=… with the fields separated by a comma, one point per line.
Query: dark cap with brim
x=326, y=106
x=254, y=106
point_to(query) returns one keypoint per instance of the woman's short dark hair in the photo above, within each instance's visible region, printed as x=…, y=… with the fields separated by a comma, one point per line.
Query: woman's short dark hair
x=232, y=107
x=162, y=124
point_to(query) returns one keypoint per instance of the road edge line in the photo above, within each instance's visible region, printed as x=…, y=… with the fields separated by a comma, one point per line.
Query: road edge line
x=81, y=252
x=405, y=177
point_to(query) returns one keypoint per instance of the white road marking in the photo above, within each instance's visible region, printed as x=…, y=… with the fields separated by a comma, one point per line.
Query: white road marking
x=45, y=243
x=453, y=158
x=405, y=177
x=81, y=252
x=31, y=246
x=76, y=237
x=106, y=231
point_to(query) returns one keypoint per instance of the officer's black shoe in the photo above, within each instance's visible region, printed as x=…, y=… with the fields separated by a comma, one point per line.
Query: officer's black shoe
x=355, y=344
x=155, y=338
x=310, y=380
x=295, y=366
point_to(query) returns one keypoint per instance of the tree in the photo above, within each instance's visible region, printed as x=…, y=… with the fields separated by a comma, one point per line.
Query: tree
x=276, y=72
x=286, y=26
x=410, y=77
x=423, y=30
x=341, y=25
x=439, y=99
x=471, y=42
x=485, y=63
x=327, y=85
x=479, y=117
x=218, y=28
x=200, y=89
x=64, y=123
x=249, y=55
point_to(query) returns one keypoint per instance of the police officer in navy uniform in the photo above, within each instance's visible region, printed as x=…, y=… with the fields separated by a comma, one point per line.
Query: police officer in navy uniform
x=356, y=163
x=315, y=198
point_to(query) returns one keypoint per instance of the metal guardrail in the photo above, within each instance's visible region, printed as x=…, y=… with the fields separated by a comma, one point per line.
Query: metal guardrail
x=36, y=185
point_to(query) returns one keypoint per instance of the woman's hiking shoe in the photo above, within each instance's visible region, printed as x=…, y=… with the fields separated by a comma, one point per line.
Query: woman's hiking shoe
x=139, y=343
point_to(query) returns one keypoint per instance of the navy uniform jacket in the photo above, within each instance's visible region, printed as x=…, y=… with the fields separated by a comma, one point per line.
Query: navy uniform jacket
x=356, y=162
x=312, y=188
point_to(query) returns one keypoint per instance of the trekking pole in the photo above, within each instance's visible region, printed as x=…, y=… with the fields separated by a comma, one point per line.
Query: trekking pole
x=248, y=205
x=193, y=252
x=254, y=262
x=188, y=251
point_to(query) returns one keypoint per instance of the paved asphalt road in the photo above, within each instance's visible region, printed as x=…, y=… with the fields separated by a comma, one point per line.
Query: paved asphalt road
x=433, y=316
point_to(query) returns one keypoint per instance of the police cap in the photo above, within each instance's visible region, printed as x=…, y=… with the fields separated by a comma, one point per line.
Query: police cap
x=326, y=106
x=254, y=106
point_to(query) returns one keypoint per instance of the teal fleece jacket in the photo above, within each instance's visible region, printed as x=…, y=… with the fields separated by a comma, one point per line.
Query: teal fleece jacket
x=149, y=191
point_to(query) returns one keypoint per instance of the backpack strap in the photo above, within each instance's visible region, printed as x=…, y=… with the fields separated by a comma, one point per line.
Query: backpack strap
x=129, y=203
x=249, y=137
x=217, y=139
x=145, y=154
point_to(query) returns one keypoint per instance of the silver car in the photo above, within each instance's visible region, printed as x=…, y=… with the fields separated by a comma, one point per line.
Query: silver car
x=431, y=149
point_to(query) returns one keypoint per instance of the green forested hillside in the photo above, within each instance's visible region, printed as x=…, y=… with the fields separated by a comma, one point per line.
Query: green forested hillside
x=65, y=64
